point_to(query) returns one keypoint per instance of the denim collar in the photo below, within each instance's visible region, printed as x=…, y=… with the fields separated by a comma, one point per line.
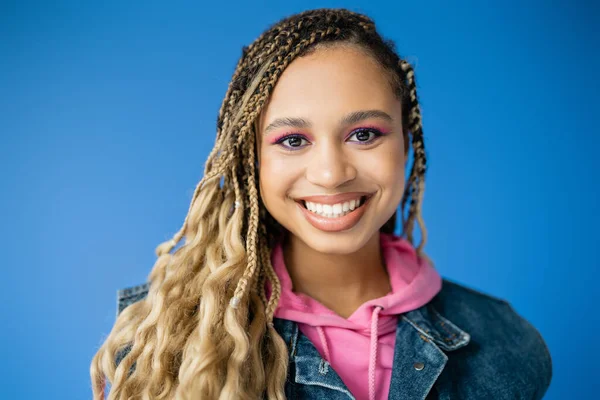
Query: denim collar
x=429, y=322
x=424, y=333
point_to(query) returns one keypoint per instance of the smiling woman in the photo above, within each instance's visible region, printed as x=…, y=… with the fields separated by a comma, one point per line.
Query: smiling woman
x=292, y=282
x=345, y=143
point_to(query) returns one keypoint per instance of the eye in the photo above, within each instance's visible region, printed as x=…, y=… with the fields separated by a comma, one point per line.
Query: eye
x=291, y=142
x=365, y=135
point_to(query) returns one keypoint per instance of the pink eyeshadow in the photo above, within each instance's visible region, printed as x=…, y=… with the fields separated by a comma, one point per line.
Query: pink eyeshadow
x=282, y=135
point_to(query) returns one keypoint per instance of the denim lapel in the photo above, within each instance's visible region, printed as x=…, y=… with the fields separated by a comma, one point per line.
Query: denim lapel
x=422, y=338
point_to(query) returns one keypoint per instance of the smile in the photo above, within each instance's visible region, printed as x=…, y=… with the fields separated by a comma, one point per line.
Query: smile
x=334, y=210
x=336, y=217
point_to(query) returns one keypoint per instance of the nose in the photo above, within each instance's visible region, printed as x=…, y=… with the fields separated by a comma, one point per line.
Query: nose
x=329, y=166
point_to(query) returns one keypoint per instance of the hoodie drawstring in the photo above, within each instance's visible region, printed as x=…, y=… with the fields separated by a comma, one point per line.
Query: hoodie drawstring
x=373, y=358
x=324, y=343
x=373, y=351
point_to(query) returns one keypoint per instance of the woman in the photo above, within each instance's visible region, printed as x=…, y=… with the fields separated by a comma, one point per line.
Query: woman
x=291, y=282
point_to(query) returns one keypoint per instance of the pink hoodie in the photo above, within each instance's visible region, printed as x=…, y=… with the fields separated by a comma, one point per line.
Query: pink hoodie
x=361, y=348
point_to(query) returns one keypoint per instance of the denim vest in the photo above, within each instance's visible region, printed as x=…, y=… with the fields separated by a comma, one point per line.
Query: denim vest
x=463, y=344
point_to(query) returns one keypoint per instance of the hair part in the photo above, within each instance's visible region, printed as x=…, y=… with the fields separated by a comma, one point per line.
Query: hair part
x=207, y=318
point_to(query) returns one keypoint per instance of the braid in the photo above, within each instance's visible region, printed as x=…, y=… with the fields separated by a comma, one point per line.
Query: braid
x=248, y=118
x=252, y=231
x=416, y=181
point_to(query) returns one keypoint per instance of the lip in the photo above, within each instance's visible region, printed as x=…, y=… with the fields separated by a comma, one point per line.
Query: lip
x=334, y=224
x=334, y=199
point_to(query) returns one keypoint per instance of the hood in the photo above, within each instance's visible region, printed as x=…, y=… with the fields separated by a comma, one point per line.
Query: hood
x=414, y=283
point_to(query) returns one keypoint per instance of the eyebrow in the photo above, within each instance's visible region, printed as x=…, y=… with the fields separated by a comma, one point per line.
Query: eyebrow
x=352, y=118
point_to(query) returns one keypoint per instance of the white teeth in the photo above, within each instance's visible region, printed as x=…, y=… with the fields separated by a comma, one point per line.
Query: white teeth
x=333, y=210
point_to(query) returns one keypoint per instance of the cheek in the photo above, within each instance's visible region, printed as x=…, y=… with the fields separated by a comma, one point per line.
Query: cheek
x=386, y=166
x=277, y=175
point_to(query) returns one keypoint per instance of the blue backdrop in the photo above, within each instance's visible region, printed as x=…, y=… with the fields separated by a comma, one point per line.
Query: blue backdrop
x=108, y=110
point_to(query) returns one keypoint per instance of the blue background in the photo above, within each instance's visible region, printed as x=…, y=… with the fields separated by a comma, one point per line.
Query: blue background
x=108, y=110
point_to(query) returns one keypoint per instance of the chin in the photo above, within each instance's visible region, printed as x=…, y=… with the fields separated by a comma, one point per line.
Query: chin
x=339, y=243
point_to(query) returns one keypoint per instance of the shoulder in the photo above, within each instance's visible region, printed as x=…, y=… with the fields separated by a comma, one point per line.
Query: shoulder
x=504, y=343
x=473, y=307
x=130, y=295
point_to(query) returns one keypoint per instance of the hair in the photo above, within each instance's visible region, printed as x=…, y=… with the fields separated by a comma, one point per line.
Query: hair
x=205, y=329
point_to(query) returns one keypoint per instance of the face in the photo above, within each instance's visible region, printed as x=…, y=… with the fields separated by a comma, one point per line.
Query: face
x=331, y=150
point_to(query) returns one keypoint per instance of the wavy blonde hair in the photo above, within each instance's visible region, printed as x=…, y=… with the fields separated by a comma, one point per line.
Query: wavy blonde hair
x=205, y=328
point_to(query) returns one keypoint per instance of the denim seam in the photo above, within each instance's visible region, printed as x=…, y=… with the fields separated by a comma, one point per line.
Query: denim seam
x=418, y=328
x=464, y=336
x=438, y=340
x=452, y=335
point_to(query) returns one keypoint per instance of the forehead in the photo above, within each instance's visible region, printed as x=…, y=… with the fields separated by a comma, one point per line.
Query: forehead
x=328, y=83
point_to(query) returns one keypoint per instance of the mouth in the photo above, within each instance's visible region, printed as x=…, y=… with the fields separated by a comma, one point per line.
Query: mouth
x=341, y=216
x=337, y=210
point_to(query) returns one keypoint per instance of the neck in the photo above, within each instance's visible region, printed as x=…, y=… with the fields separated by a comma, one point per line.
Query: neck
x=341, y=282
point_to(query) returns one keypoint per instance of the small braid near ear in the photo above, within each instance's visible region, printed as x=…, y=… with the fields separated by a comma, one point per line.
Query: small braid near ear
x=416, y=181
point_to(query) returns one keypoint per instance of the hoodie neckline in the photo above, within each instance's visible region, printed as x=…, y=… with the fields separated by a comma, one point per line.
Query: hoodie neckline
x=413, y=280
